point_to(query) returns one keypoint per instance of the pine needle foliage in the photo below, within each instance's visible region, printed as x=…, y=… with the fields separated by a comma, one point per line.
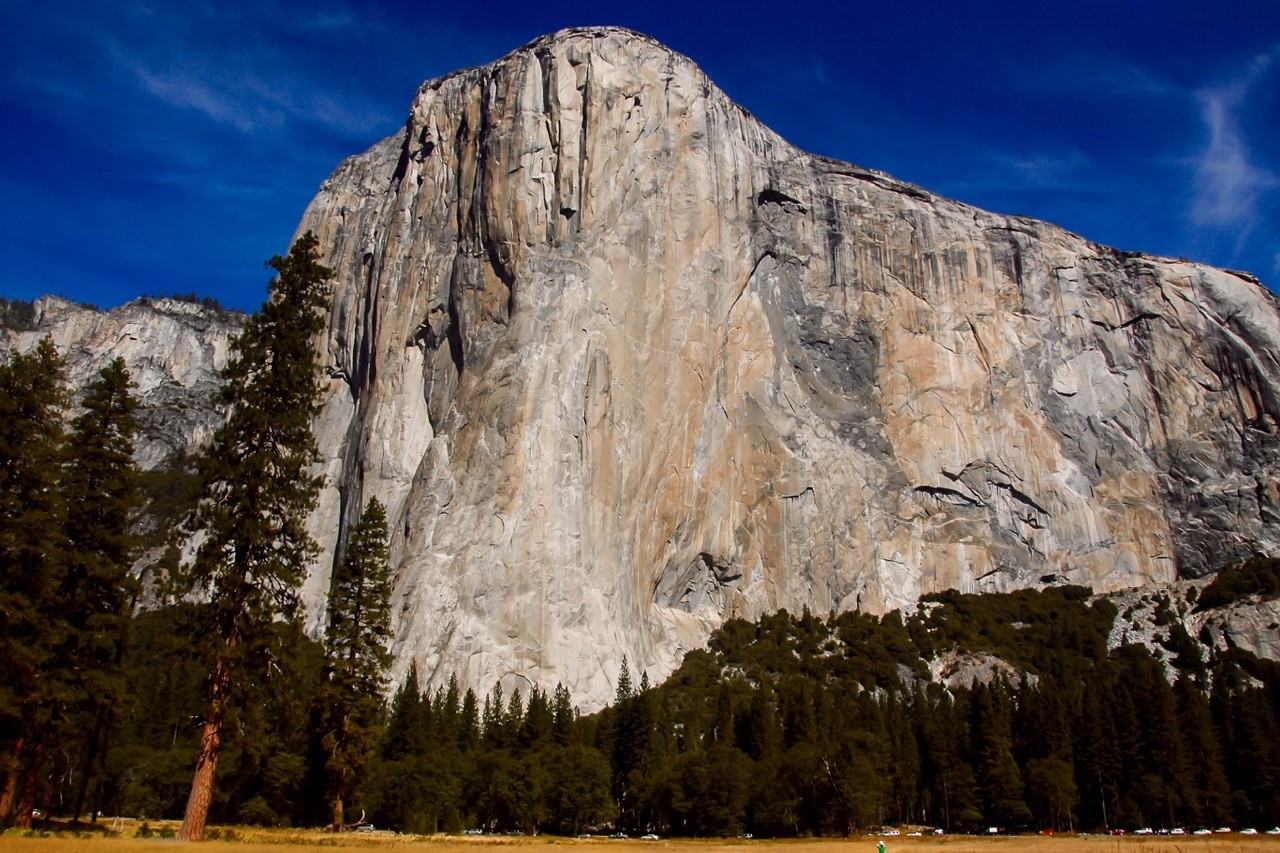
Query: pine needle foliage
x=100, y=487
x=258, y=488
x=1257, y=577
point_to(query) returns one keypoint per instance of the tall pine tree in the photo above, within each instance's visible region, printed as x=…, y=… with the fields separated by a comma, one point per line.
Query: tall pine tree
x=258, y=490
x=31, y=552
x=356, y=656
x=100, y=488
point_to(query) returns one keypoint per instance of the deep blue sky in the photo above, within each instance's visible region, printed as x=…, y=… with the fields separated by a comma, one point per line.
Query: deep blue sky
x=172, y=145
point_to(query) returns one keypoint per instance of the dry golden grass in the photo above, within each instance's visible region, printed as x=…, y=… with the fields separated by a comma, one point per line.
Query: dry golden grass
x=252, y=840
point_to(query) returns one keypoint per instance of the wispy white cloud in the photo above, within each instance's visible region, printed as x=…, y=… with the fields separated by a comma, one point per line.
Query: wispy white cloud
x=989, y=169
x=243, y=99
x=1228, y=183
x=1107, y=75
x=1050, y=170
x=324, y=21
x=183, y=91
x=228, y=64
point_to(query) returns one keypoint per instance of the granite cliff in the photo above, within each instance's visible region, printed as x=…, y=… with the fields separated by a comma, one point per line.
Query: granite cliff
x=621, y=362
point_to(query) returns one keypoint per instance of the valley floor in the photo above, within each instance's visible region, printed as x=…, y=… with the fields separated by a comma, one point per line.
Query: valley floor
x=251, y=841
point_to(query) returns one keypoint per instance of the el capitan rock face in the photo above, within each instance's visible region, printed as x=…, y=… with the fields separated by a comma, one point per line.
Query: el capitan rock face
x=621, y=363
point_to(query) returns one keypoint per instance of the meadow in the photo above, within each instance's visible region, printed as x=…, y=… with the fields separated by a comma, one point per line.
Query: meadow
x=244, y=840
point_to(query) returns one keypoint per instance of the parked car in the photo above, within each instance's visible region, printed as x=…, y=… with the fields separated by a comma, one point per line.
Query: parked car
x=649, y=837
x=1249, y=831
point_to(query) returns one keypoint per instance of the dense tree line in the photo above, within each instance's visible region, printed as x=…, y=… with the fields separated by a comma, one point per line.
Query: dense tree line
x=834, y=725
x=793, y=725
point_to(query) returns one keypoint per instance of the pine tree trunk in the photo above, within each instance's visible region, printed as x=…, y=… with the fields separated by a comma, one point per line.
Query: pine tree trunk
x=30, y=781
x=339, y=776
x=338, y=810
x=201, y=795
x=99, y=732
x=102, y=724
x=10, y=792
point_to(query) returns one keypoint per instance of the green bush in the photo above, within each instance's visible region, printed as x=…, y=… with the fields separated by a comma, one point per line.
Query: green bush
x=1259, y=576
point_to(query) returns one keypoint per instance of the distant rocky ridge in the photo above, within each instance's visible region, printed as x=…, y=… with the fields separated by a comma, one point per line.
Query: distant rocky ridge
x=174, y=351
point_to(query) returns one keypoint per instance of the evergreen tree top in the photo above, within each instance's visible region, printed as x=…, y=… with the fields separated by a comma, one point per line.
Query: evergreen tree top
x=258, y=489
x=360, y=606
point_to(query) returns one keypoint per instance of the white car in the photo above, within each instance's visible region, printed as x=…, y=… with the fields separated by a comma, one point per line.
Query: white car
x=1146, y=830
x=914, y=834
x=1203, y=832
x=1249, y=831
x=649, y=837
x=1275, y=830
x=1177, y=830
